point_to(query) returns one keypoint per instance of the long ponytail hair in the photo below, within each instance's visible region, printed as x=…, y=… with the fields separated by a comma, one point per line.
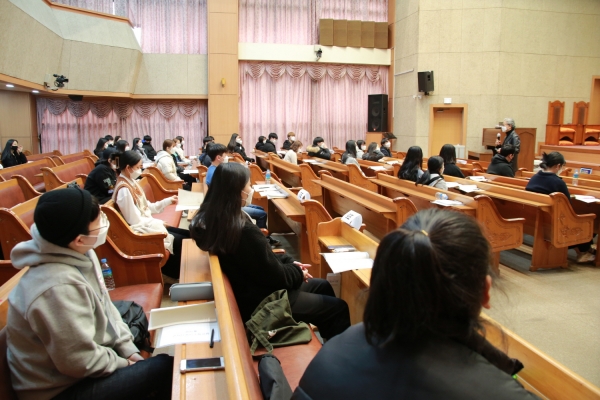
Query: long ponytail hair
x=434, y=166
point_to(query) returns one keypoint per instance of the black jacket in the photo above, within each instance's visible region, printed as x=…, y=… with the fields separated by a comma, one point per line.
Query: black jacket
x=14, y=159
x=101, y=182
x=259, y=146
x=511, y=138
x=499, y=166
x=375, y=156
x=316, y=151
x=287, y=144
x=453, y=170
x=253, y=270
x=269, y=147
x=347, y=367
x=385, y=151
x=150, y=152
x=547, y=183
x=242, y=152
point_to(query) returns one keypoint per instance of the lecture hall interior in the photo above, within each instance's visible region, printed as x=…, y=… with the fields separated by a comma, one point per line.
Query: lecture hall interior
x=426, y=73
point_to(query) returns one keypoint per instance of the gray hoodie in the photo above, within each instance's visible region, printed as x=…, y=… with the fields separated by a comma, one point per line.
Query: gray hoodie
x=62, y=326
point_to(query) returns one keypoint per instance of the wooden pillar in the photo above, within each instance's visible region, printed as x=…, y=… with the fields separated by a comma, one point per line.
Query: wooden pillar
x=391, y=77
x=223, y=77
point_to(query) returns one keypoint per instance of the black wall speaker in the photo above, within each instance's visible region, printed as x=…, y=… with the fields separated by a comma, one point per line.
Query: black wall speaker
x=378, y=105
x=426, y=82
x=75, y=97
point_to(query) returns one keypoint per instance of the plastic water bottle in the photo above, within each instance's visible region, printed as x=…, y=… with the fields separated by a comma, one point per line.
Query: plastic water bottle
x=107, y=274
x=268, y=177
x=576, y=177
x=441, y=196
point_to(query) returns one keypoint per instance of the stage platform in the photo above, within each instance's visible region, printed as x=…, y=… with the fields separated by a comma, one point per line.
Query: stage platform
x=580, y=154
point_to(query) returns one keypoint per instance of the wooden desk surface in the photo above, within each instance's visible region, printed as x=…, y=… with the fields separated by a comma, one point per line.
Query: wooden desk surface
x=200, y=384
x=355, y=194
x=330, y=165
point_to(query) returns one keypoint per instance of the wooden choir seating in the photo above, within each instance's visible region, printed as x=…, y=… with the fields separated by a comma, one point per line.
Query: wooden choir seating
x=288, y=173
x=69, y=158
x=239, y=379
x=550, y=219
x=30, y=171
x=155, y=192
x=162, y=179
x=57, y=176
x=502, y=234
x=15, y=191
x=576, y=133
x=36, y=157
x=357, y=177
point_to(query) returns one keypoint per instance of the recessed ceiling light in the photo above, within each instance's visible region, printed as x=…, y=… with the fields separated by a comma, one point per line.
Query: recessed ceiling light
x=35, y=91
x=9, y=85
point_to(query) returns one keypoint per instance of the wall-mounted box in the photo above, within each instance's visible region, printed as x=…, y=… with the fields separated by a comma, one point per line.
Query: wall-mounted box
x=367, y=36
x=326, y=32
x=340, y=32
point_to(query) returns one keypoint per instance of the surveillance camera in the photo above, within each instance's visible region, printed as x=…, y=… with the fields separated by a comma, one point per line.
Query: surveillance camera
x=60, y=80
x=319, y=54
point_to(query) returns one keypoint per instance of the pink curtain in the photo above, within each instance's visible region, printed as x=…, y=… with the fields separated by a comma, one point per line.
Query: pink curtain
x=297, y=22
x=71, y=127
x=169, y=26
x=309, y=99
x=105, y=6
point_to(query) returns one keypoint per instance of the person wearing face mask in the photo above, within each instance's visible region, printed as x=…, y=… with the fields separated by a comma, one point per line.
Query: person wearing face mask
x=433, y=176
x=385, y=147
x=178, y=149
x=361, y=147
x=110, y=141
x=65, y=337
x=137, y=211
x=13, y=154
x=319, y=149
x=165, y=161
x=508, y=127
x=260, y=143
x=373, y=153
x=548, y=181
x=137, y=147
x=222, y=228
x=291, y=136
x=101, y=181
x=122, y=145
x=100, y=147
x=349, y=156
x=150, y=152
x=271, y=145
x=235, y=146
x=291, y=155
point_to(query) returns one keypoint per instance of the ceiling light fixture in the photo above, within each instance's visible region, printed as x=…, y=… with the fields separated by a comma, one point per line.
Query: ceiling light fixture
x=35, y=91
x=10, y=85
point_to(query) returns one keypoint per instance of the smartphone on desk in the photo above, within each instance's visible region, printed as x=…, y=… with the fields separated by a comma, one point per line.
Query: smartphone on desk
x=202, y=364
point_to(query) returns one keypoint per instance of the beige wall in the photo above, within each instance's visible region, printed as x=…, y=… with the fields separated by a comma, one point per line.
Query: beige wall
x=15, y=118
x=504, y=58
x=173, y=73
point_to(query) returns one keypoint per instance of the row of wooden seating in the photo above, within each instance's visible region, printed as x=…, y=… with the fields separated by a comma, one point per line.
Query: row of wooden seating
x=579, y=132
x=39, y=156
x=61, y=174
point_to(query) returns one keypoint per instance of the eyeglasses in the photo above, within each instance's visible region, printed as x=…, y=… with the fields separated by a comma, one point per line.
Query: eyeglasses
x=103, y=222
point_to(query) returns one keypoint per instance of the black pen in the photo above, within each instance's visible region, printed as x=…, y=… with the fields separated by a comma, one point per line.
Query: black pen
x=212, y=338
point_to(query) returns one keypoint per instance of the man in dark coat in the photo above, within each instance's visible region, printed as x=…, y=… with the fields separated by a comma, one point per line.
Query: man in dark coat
x=511, y=138
x=501, y=162
x=271, y=145
x=150, y=152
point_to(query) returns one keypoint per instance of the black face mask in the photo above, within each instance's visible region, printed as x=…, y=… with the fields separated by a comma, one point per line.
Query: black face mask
x=14, y=148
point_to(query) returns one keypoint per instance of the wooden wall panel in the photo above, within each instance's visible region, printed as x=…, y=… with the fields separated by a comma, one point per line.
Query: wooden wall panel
x=223, y=6
x=354, y=33
x=225, y=39
x=326, y=32
x=223, y=66
x=368, y=34
x=15, y=118
x=381, y=35
x=340, y=32
x=223, y=116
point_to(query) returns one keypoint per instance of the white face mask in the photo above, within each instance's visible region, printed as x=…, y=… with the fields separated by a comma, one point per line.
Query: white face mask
x=105, y=145
x=387, y=144
x=363, y=148
x=102, y=232
x=377, y=149
x=178, y=145
x=226, y=159
x=292, y=138
x=182, y=142
x=238, y=140
x=140, y=144
x=504, y=128
x=113, y=166
x=110, y=142
x=248, y=200
x=135, y=173
x=274, y=141
x=127, y=148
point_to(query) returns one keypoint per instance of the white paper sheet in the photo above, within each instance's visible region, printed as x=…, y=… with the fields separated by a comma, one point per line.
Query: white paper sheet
x=335, y=280
x=189, y=200
x=378, y=168
x=147, y=164
x=393, y=162
x=586, y=199
x=262, y=188
x=189, y=333
x=447, y=203
x=477, y=178
x=461, y=162
x=195, y=313
x=312, y=161
x=468, y=188
x=190, y=171
x=451, y=185
x=340, y=262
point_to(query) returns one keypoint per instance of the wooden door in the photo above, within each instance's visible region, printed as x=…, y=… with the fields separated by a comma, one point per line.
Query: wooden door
x=447, y=126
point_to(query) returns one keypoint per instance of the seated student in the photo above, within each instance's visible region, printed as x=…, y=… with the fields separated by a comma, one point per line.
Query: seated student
x=66, y=339
x=291, y=155
x=122, y=145
x=448, y=153
x=411, y=166
x=137, y=147
x=271, y=145
x=178, y=149
x=117, y=138
x=13, y=154
x=385, y=147
x=101, y=181
x=373, y=153
x=235, y=146
x=205, y=141
x=361, y=147
x=349, y=156
x=291, y=136
x=216, y=153
x=501, y=162
x=204, y=159
x=433, y=176
x=100, y=147
x=261, y=142
x=150, y=152
x=421, y=334
x=548, y=181
x=166, y=163
x=319, y=149
x=137, y=211
x=222, y=228
x=111, y=140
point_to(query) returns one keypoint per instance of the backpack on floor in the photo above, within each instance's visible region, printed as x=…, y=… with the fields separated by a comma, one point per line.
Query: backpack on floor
x=134, y=317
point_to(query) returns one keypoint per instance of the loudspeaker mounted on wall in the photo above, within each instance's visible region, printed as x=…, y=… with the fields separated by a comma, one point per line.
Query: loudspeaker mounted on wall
x=378, y=105
x=75, y=97
x=425, y=81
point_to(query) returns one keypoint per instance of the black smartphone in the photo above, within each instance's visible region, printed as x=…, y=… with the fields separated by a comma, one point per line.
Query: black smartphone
x=202, y=364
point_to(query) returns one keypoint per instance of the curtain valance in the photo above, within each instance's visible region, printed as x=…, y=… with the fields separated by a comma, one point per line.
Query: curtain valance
x=316, y=71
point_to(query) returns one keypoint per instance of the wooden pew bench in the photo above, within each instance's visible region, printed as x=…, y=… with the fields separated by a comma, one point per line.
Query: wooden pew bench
x=30, y=171
x=239, y=379
x=39, y=156
x=583, y=180
x=550, y=219
x=69, y=158
x=336, y=169
x=370, y=168
x=15, y=191
x=160, y=177
x=155, y=192
x=289, y=174
x=57, y=176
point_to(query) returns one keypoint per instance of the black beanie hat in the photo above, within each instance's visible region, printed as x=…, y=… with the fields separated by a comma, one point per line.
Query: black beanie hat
x=107, y=152
x=61, y=215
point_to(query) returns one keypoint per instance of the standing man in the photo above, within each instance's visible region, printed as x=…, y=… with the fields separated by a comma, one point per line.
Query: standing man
x=512, y=138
